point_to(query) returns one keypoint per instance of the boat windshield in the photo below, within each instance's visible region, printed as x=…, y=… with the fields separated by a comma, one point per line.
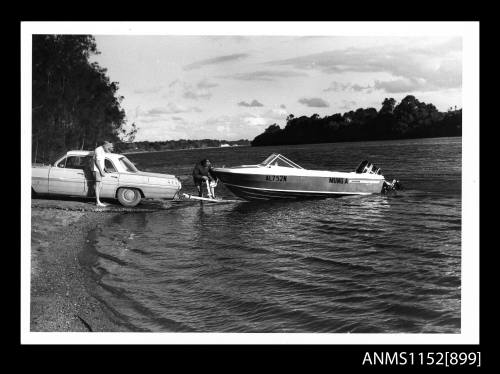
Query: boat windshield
x=367, y=167
x=279, y=160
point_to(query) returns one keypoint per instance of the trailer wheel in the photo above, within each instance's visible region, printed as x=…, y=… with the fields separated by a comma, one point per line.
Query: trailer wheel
x=129, y=196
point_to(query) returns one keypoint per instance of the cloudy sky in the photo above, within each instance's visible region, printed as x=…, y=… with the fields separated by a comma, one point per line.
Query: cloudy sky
x=233, y=87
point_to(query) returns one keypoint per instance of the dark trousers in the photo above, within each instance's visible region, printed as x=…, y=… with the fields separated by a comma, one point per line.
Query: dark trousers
x=198, y=184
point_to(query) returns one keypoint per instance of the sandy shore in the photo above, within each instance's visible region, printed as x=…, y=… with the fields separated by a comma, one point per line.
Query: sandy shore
x=60, y=300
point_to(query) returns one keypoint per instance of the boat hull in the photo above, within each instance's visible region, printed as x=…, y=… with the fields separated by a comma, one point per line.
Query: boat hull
x=251, y=186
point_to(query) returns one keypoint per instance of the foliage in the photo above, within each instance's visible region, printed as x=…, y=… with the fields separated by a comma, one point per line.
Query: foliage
x=74, y=104
x=409, y=119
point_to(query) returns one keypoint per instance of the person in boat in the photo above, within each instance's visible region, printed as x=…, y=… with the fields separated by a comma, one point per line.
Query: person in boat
x=202, y=173
x=99, y=171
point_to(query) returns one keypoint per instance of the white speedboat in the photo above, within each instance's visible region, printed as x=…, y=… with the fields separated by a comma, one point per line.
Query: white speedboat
x=277, y=177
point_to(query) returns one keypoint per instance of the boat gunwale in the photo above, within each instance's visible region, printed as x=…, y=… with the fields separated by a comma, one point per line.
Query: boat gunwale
x=281, y=170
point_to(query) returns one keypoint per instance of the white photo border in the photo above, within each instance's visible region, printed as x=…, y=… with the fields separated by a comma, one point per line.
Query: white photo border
x=469, y=31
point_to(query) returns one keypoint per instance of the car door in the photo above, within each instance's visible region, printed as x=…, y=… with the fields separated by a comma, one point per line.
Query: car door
x=67, y=177
x=110, y=179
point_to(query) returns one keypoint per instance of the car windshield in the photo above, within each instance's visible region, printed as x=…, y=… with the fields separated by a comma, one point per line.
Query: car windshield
x=128, y=165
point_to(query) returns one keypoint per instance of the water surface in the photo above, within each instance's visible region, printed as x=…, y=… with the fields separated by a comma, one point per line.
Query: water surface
x=371, y=264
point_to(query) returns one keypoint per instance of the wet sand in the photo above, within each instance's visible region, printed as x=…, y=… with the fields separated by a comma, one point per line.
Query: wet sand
x=60, y=298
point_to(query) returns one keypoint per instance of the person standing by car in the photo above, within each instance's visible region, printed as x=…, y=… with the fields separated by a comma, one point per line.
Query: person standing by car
x=202, y=173
x=99, y=170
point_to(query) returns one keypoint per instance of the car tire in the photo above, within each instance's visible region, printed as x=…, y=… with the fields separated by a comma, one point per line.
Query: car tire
x=129, y=197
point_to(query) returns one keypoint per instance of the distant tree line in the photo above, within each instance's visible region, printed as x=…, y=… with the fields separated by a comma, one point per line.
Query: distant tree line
x=409, y=119
x=74, y=104
x=168, y=145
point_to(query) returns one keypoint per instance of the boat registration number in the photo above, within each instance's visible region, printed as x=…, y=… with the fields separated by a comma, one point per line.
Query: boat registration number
x=276, y=178
x=338, y=180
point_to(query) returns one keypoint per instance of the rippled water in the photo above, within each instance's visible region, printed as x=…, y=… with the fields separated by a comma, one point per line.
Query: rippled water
x=353, y=264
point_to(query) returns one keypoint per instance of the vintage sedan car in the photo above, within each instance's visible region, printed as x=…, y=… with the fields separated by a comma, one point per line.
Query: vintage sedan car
x=72, y=175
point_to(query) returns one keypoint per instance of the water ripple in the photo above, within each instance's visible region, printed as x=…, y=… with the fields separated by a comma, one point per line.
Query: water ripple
x=369, y=264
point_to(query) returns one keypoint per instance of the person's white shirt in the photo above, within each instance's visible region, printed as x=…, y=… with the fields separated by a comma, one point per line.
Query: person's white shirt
x=99, y=157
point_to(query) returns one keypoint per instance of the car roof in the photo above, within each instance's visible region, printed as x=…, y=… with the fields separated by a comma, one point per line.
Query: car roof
x=113, y=156
x=79, y=153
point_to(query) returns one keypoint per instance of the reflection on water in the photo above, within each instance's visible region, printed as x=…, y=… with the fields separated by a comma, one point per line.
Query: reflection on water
x=355, y=264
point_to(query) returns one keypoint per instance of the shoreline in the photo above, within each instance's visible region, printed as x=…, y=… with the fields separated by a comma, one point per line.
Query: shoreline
x=60, y=300
x=298, y=144
x=357, y=141
x=182, y=149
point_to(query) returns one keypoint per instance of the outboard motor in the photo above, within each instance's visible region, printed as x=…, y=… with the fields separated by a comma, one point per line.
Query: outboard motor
x=395, y=185
x=369, y=168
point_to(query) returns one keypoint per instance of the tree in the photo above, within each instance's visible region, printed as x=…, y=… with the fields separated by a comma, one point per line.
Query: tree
x=74, y=104
x=409, y=119
x=272, y=128
x=388, y=105
x=129, y=136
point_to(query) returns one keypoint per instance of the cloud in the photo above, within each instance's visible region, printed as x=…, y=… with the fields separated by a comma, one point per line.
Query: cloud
x=196, y=95
x=265, y=75
x=447, y=76
x=255, y=121
x=228, y=38
x=254, y=103
x=159, y=113
x=433, y=66
x=275, y=115
x=177, y=108
x=215, y=60
x=243, y=125
x=348, y=105
x=233, y=127
x=400, y=85
x=336, y=86
x=189, y=91
x=206, y=84
x=155, y=112
x=283, y=106
x=314, y=102
x=174, y=83
x=165, y=130
x=148, y=90
x=165, y=125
